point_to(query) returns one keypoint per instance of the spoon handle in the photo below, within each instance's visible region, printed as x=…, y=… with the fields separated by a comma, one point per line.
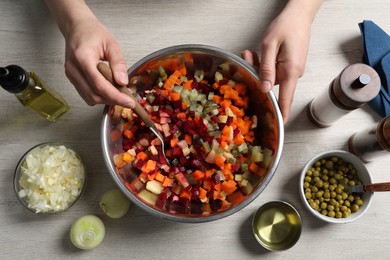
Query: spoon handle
x=384, y=186
x=105, y=70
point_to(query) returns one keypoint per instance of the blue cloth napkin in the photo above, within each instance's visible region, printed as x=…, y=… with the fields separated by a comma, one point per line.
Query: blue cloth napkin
x=376, y=44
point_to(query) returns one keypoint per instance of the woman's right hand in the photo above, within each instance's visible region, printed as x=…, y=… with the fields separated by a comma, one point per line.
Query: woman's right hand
x=88, y=42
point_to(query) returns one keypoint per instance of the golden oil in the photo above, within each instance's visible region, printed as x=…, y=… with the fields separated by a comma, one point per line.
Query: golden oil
x=32, y=92
x=276, y=226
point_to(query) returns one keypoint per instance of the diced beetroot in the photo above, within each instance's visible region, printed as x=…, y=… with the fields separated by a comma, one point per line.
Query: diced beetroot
x=215, y=204
x=128, y=143
x=160, y=203
x=173, y=129
x=197, y=164
x=195, y=192
x=196, y=206
x=161, y=158
x=184, y=161
x=176, y=152
x=182, y=179
x=216, y=178
x=154, y=157
x=235, y=168
x=183, y=206
x=215, y=119
x=236, y=131
x=139, y=163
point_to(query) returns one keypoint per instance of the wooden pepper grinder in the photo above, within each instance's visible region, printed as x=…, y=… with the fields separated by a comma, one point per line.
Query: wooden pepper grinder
x=352, y=88
x=373, y=142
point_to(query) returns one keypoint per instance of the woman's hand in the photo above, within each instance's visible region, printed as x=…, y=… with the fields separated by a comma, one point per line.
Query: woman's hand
x=87, y=43
x=284, y=51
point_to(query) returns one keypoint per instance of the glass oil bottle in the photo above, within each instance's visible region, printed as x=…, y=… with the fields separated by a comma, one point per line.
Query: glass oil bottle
x=32, y=92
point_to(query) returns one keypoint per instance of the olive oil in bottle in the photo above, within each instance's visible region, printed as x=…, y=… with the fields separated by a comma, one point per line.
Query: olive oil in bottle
x=32, y=92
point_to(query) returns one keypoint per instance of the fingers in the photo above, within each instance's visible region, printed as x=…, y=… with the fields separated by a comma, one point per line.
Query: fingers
x=287, y=88
x=251, y=57
x=79, y=80
x=109, y=94
x=268, y=66
x=117, y=63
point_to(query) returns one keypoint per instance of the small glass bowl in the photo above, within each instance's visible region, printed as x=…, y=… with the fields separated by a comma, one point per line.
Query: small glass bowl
x=277, y=225
x=19, y=171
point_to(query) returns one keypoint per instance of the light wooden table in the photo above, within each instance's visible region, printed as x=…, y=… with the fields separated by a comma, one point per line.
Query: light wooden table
x=29, y=37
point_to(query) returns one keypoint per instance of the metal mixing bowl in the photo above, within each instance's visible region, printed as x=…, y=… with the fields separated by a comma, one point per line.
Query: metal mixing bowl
x=209, y=59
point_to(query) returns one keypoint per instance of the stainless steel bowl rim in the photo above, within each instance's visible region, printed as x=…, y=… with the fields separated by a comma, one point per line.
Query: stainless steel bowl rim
x=183, y=218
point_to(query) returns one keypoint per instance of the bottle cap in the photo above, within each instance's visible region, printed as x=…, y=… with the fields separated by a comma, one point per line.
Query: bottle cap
x=13, y=78
x=356, y=85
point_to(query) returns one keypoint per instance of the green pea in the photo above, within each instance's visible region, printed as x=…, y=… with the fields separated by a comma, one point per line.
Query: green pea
x=355, y=208
x=331, y=213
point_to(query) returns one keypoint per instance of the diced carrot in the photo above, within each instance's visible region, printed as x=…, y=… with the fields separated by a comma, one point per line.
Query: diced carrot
x=127, y=157
x=128, y=134
x=142, y=155
x=152, y=176
x=250, y=137
x=229, y=186
x=225, y=204
x=188, y=139
x=175, y=96
x=143, y=177
x=172, y=80
x=184, y=106
x=188, y=84
x=238, y=139
x=198, y=175
x=226, y=130
x=207, y=184
x=168, y=182
x=174, y=141
x=149, y=166
x=253, y=167
x=240, y=88
x=159, y=177
x=217, y=99
x=115, y=135
x=181, y=115
x=217, y=187
x=220, y=161
x=126, y=125
x=182, y=69
x=164, y=92
x=202, y=193
x=216, y=194
x=238, y=112
x=241, y=102
x=236, y=197
x=225, y=103
x=260, y=172
x=228, y=173
x=197, y=119
x=185, y=194
x=118, y=160
x=206, y=209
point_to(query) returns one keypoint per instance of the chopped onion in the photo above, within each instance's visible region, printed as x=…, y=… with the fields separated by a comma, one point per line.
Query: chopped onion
x=52, y=177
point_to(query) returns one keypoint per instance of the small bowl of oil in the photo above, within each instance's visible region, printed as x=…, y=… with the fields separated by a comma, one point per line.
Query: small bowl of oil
x=277, y=225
